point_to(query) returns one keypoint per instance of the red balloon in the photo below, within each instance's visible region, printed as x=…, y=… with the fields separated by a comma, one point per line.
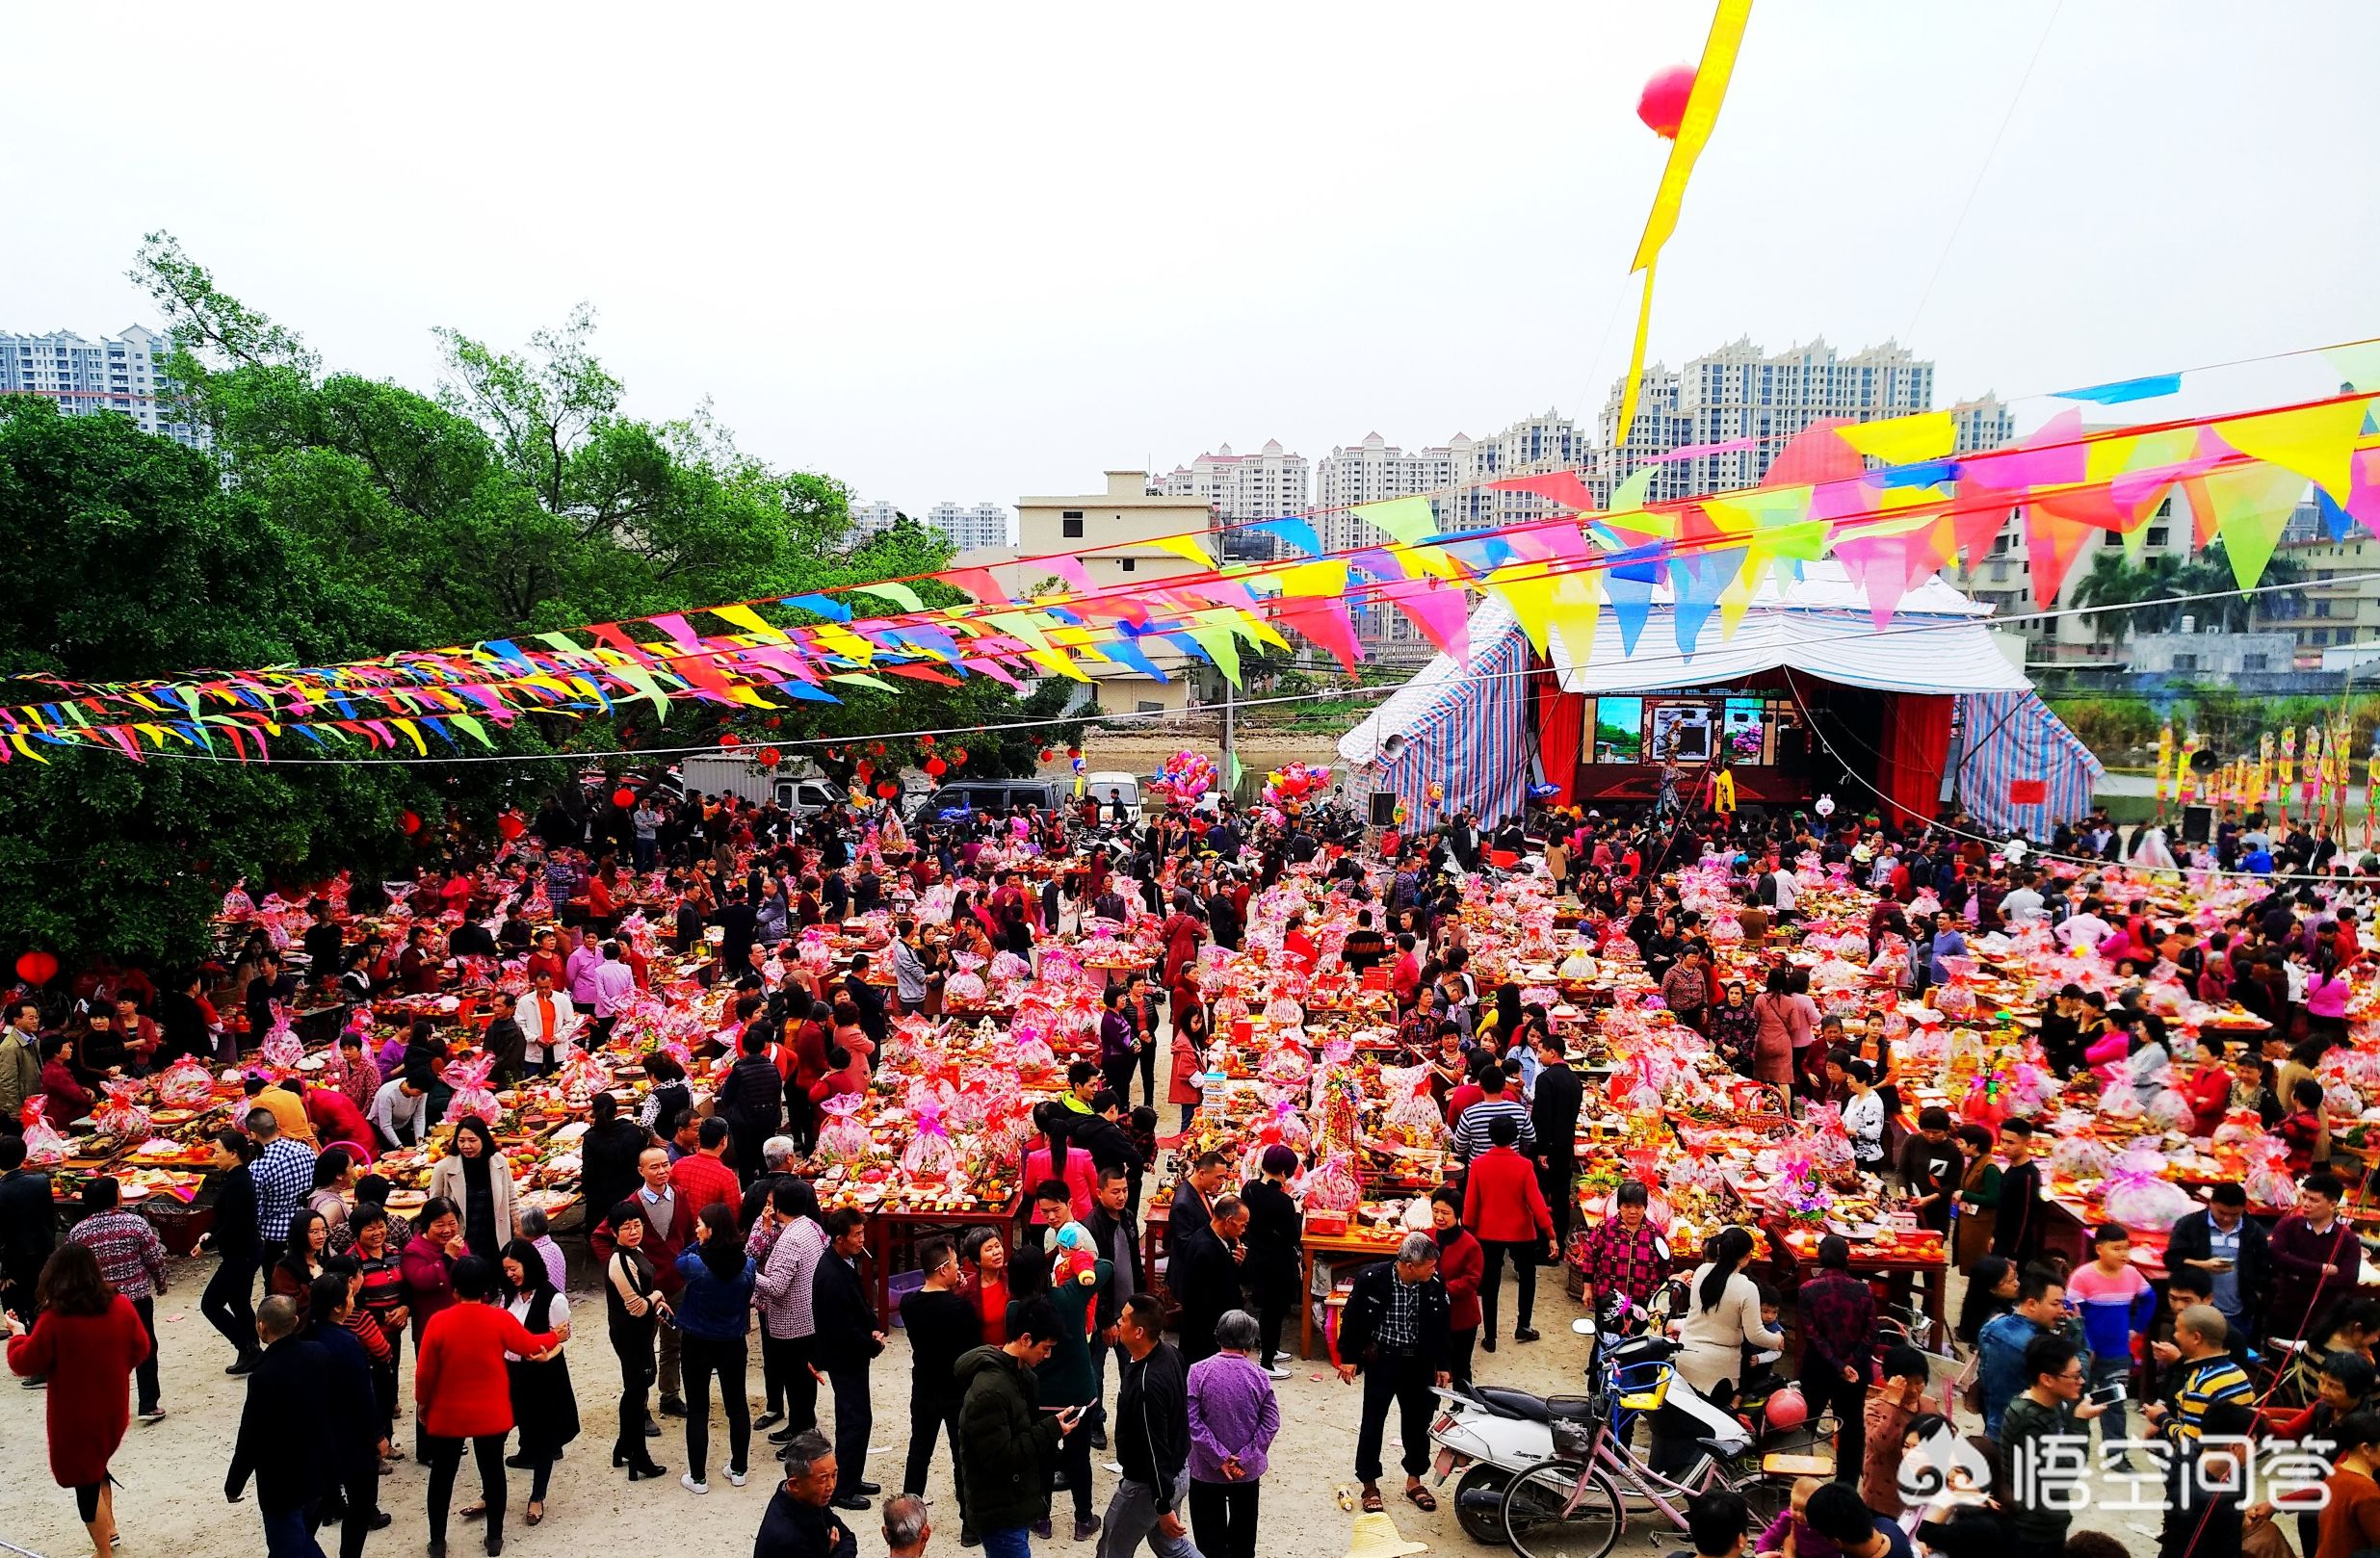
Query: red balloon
x=37, y=968
x=511, y=824
x=770, y=757
x=1662, y=103
x=937, y=766
x=409, y=822
x=623, y=797
x=731, y=741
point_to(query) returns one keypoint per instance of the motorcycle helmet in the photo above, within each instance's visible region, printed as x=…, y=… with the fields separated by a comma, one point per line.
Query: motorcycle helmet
x=1784, y=1408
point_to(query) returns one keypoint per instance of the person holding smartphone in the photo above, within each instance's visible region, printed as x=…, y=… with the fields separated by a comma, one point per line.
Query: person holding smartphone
x=1008, y=1441
x=2115, y=1301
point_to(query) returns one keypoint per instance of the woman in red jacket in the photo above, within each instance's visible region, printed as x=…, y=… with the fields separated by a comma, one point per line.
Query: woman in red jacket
x=463, y=1391
x=86, y=1342
x=1504, y=1208
x=1460, y=1266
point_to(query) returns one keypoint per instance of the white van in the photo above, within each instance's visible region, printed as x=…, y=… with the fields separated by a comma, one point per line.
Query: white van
x=1096, y=786
x=724, y=773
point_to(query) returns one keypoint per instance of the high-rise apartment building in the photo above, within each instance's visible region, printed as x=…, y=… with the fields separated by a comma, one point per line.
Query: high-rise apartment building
x=115, y=376
x=1370, y=472
x=1240, y=489
x=971, y=526
x=1740, y=393
x=872, y=518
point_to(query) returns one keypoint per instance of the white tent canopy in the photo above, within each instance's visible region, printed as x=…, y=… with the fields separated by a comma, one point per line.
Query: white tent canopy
x=1937, y=640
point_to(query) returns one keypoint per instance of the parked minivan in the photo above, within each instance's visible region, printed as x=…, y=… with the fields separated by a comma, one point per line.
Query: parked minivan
x=994, y=797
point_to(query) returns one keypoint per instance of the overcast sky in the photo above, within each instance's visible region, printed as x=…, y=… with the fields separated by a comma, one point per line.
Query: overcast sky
x=969, y=252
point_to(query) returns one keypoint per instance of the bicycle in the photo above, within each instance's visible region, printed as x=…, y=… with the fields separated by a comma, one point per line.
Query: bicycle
x=1577, y=1504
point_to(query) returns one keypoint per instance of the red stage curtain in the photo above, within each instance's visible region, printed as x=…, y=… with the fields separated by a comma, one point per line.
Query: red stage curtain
x=1917, y=745
x=1560, y=728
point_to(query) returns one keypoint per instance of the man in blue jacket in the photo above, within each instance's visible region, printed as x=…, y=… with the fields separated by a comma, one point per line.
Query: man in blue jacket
x=2040, y=1308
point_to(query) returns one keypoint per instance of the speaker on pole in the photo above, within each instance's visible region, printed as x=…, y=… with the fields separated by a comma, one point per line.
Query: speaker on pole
x=1383, y=808
x=2197, y=824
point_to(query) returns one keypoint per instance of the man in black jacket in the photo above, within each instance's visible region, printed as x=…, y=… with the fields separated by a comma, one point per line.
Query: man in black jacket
x=1152, y=1440
x=1115, y=1238
x=735, y=920
x=846, y=1336
x=1394, y=1329
x=28, y=1227
x=1553, y=1114
x=352, y=1486
x=608, y=1157
x=503, y=1039
x=1205, y=1272
x=869, y=999
x=2224, y=1244
x=752, y=1098
x=285, y=1437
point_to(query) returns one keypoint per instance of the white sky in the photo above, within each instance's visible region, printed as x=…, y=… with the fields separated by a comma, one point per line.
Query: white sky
x=973, y=251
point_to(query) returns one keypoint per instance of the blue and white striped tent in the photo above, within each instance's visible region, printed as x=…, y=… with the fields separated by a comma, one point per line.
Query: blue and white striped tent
x=1464, y=728
x=2012, y=747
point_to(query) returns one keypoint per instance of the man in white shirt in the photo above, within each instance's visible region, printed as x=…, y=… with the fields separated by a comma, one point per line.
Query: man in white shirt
x=2022, y=903
x=547, y=1018
x=614, y=983
x=399, y=1113
x=1788, y=890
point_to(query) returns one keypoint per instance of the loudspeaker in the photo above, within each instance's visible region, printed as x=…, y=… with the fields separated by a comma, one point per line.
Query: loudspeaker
x=2203, y=760
x=2197, y=823
x=1383, y=808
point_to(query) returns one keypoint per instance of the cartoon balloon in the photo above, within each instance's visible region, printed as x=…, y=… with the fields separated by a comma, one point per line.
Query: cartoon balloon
x=1662, y=103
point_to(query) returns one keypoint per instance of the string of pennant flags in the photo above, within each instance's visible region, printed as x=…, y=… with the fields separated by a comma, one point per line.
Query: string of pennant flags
x=1888, y=499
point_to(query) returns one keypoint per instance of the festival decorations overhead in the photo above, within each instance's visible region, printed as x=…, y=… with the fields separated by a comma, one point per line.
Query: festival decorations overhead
x=1918, y=509
x=1686, y=124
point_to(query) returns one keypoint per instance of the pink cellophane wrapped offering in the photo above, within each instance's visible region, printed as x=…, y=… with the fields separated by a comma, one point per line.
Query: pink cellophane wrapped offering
x=238, y=906
x=583, y=1077
x=1333, y=1186
x=472, y=1094
x=1826, y=1142
x=1412, y=1108
x=814, y=951
x=119, y=1113
x=1034, y=1056
x=843, y=1140
x=282, y=1048
x=2142, y=1200
x=44, y=1146
x=185, y=1084
x=930, y=1156
x=964, y=991
x=2081, y=1158
x=2268, y=1181
x=1285, y=1063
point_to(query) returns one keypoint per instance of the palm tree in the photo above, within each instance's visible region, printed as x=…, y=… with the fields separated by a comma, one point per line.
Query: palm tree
x=2158, y=592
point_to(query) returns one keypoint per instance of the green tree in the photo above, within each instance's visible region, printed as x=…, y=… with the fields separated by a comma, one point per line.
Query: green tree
x=129, y=557
x=2162, y=589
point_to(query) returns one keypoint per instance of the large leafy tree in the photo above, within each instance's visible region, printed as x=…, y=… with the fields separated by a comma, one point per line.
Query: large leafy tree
x=344, y=516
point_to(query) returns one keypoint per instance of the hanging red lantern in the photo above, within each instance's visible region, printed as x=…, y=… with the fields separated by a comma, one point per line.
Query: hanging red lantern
x=410, y=821
x=888, y=790
x=924, y=740
x=877, y=750
x=511, y=824
x=1048, y=756
x=937, y=766
x=863, y=767
x=37, y=968
x=770, y=757
x=731, y=741
x=772, y=721
x=623, y=797
x=959, y=756
x=1073, y=752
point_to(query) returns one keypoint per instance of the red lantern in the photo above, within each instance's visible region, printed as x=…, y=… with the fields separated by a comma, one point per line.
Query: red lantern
x=888, y=790
x=731, y=741
x=511, y=824
x=772, y=721
x=1048, y=756
x=877, y=750
x=1073, y=752
x=1662, y=103
x=409, y=822
x=924, y=740
x=937, y=766
x=37, y=968
x=623, y=797
x=770, y=757
x=863, y=767
x=959, y=756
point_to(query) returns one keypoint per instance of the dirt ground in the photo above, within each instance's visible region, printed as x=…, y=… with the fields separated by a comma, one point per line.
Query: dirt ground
x=171, y=1503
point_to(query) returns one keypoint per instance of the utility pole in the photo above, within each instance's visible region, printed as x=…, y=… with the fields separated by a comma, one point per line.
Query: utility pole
x=1231, y=777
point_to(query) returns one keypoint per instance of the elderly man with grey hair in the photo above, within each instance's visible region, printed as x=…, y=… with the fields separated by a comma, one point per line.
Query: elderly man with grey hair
x=1393, y=1332
x=907, y=1526
x=798, y=1523
x=776, y=1164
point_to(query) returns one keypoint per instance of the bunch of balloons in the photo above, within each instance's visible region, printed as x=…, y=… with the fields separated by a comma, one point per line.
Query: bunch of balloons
x=1186, y=776
x=1297, y=782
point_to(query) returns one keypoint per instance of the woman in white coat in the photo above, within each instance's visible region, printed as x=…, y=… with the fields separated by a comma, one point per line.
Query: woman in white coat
x=1722, y=1317
x=478, y=1180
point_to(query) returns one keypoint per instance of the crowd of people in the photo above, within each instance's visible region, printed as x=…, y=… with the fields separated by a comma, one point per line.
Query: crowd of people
x=1027, y=1356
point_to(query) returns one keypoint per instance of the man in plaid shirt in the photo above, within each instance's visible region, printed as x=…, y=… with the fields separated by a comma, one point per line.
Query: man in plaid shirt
x=1627, y=1254
x=284, y=1173
x=1837, y=1349
x=133, y=1262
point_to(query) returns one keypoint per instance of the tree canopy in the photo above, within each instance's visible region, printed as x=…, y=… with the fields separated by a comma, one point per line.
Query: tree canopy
x=343, y=516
